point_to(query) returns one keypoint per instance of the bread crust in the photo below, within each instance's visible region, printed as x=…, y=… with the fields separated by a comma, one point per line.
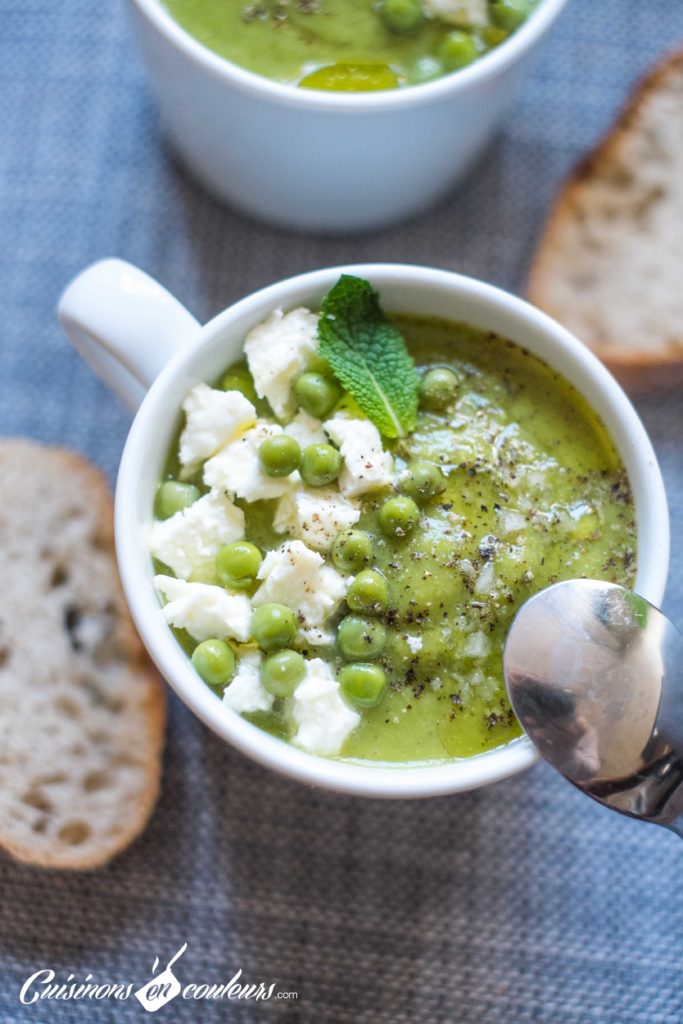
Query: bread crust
x=150, y=698
x=637, y=370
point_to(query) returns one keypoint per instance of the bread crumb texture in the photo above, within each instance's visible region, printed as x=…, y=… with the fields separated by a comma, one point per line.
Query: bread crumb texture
x=81, y=710
x=610, y=263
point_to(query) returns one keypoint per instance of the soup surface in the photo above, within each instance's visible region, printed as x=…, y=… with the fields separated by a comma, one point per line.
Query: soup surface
x=513, y=484
x=351, y=45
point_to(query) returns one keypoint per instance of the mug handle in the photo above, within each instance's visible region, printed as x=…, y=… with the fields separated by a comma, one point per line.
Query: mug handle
x=125, y=325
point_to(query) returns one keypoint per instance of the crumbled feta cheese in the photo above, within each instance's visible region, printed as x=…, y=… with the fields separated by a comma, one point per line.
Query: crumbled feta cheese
x=204, y=610
x=277, y=351
x=245, y=691
x=486, y=579
x=415, y=643
x=317, y=709
x=510, y=521
x=189, y=540
x=315, y=637
x=237, y=470
x=580, y=519
x=213, y=418
x=315, y=515
x=463, y=13
x=487, y=687
x=477, y=645
x=366, y=465
x=297, y=577
x=466, y=568
x=535, y=479
x=306, y=430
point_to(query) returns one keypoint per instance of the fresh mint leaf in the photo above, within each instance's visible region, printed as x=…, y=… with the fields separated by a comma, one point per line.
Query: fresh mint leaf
x=368, y=355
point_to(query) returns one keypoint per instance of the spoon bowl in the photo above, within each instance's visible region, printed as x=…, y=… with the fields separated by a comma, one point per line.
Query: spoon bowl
x=595, y=676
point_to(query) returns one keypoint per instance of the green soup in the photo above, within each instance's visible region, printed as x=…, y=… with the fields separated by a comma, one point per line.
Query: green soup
x=533, y=492
x=351, y=45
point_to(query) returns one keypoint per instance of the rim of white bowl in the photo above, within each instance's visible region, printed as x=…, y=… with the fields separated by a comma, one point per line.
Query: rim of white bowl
x=401, y=781
x=477, y=73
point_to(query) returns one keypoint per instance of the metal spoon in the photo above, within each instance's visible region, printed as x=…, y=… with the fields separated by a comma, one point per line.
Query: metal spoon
x=595, y=675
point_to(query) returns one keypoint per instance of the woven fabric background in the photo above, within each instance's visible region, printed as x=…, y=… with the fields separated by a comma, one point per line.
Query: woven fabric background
x=523, y=904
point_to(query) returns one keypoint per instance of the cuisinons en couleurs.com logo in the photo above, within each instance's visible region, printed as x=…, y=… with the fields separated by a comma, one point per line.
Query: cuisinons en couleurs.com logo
x=161, y=988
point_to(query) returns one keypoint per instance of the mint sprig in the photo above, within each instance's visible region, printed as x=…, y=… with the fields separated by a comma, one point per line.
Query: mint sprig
x=368, y=355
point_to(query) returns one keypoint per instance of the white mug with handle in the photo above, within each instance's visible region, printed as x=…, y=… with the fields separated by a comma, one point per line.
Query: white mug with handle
x=150, y=350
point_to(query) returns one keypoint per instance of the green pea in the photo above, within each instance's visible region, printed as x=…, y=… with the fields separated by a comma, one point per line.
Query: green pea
x=214, y=660
x=369, y=593
x=398, y=516
x=173, y=496
x=510, y=14
x=362, y=685
x=438, y=387
x=361, y=639
x=320, y=464
x=237, y=565
x=458, y=50
x=316, y=394
x=239, y=379
x=279, y=455
x=352, y=550
x=401, y=15
x=423, y=482
x=273, y=626
x=282, y=672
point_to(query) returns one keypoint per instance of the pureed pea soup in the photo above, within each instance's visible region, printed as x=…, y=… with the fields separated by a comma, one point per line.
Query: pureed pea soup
x=351, y=45
x=351, y=518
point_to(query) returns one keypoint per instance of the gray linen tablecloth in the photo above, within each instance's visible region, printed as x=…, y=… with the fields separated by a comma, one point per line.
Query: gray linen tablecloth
x=524, y=903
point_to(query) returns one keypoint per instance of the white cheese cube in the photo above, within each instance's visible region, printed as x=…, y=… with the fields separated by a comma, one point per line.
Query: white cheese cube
x=188, y=541
x=463, y=13
x=212, y=419
x=237, y=470
x=306, y=430
x=277, y=351
x=313, y=636
x=245, y=692
x=366, y=465
x=322, y=718
x=204, y=610
x=297, y=577
x=316, y=515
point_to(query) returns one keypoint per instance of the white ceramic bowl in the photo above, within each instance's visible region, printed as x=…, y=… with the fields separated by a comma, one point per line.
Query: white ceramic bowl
x=137, y=336
x=315, y=160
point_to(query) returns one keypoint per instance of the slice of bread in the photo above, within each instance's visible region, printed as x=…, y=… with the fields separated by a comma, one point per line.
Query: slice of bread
x=81, y=710
x=610, y=263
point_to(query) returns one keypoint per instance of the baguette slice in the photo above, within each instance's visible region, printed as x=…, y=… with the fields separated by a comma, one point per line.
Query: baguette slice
x=610, y=263
x=81, y=711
